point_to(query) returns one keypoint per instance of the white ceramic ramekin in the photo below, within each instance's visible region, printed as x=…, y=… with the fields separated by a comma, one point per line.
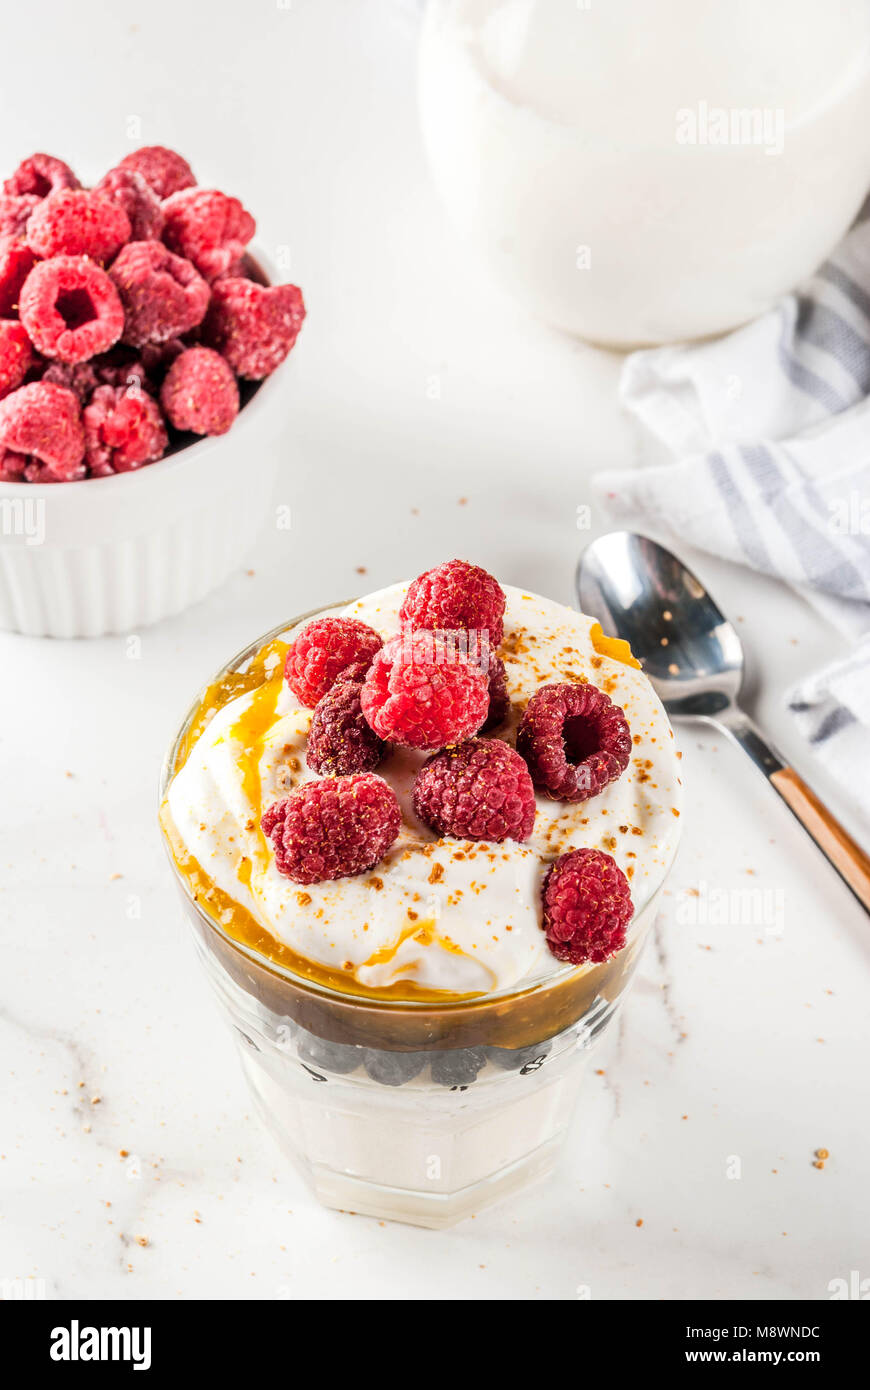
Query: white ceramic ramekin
x=111, y=555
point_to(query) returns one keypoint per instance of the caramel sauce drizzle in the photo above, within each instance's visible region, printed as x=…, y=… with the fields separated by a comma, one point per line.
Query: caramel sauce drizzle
x=234, y=683
x=237, y=922
x=249, y=731
x=264, y=676
x=427, y=934
x=614, y=647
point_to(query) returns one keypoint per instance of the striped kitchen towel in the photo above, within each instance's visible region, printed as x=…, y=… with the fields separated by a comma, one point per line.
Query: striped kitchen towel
x=763, y=456
x=832, y=709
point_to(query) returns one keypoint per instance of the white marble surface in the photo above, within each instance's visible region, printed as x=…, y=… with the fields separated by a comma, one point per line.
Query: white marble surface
x=739, y=1041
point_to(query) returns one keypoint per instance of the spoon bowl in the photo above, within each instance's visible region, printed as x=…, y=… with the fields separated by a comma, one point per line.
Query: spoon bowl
x=687, y=647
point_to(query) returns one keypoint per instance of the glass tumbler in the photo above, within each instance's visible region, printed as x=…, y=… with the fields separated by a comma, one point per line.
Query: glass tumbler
x=408, y=1110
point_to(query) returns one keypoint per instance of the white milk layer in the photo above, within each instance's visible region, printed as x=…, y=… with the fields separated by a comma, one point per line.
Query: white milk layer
x=444, y=914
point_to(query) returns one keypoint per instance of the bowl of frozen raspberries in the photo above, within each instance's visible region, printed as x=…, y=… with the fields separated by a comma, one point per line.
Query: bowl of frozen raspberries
x=137, y=329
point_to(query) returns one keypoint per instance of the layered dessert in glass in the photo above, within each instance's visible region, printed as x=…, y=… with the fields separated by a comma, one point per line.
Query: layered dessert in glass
x=420, y=839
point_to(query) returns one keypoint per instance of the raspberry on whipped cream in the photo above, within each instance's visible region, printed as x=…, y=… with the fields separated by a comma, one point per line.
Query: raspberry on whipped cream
x=334, y=828
x=499, y=699
x=479, y=790
x=574, y=739
x=456, y=596
x=322, y=650
x=339, y=740
x=422, y=693
x=587, y=906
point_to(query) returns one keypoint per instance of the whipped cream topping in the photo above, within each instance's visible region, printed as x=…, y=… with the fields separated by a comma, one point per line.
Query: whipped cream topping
x=443, y=914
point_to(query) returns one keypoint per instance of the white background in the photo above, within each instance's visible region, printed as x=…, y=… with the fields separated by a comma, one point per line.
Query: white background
x=426, y=417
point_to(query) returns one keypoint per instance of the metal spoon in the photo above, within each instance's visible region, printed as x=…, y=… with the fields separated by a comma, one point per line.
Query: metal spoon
x=641, y=592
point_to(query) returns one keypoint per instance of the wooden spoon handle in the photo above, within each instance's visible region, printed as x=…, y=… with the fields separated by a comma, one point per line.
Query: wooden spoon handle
x=848, y=859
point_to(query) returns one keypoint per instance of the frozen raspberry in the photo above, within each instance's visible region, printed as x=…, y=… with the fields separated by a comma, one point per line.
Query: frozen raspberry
x=129, y=191
x=15, y=213
x=200, y=393
x=456, y=596
x=41, y=174
x=123, y=369
x=42, y=422
x=123, y=430
x=163, y=170
x=479, y=790
x=356, y=671
x=322, y=650
x=16, y=355
x=253, y=326
x=76, y=222
x=575, y=741
x=239, y=270
x=163, y=295
x=339, y=739
x=420, y=694
x=587, y=906
x=16, y=263
x=499, y=700
x=81, y=378
x=333, y=828
x=70, y=308
x=12, y=466
x=157, y=358
x=208, y=228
